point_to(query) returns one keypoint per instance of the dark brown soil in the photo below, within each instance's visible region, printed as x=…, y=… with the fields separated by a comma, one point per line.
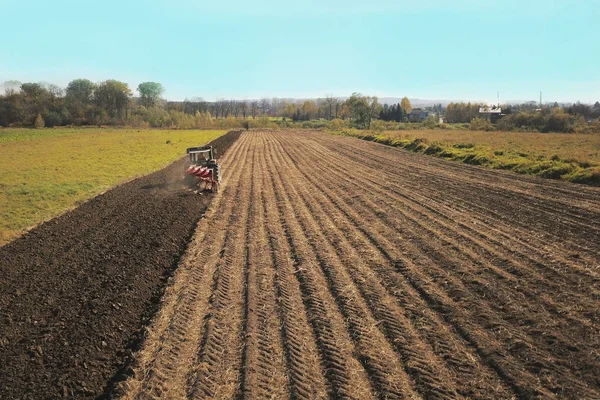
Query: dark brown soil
x=77, y=291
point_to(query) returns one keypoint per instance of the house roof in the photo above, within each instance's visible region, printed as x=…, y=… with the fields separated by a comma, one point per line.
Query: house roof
x=490, y=110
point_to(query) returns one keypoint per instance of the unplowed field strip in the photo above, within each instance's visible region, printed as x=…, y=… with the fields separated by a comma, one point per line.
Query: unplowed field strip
x=330, y=267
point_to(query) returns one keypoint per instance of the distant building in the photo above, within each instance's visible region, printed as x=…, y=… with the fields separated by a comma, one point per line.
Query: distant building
x=418, y=115
x=493, y=113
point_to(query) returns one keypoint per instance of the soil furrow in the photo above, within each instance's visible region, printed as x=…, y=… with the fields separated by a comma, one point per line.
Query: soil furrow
x=216, y=372
x=516, y=203
x=518, y=344
x=437, y=334
x=581, y=196
x=264, y=368
x=306, y=375
x=453, y=197
x=504, y=268
x=347, y=377
x=378, y=358
x=487, y=250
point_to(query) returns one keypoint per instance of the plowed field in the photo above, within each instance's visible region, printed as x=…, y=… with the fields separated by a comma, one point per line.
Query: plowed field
x=333, y=267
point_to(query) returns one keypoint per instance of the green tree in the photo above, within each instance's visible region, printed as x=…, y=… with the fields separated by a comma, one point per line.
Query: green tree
x=52, y=119
x=112, y=96
x=330, y=106
x=78, y=98
x=363, y=109
x=33, y=90
x=406, y=106
x=80, y=90
x=12, y=108
x=35, y=99
x=150, y=93
x=289, y=109
x=558, y=121
x=462, y=112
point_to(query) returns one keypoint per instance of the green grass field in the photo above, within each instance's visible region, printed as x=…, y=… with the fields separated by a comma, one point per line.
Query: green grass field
x=567, y=156
x=45, y=172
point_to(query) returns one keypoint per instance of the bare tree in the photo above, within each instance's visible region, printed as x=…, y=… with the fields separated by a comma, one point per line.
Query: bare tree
x=201, y=105
x=221, y=108
x=339, y=104
x=330, y=104
x=264, y=106
x=254, y=108
x=244, y=108
x=276, y=108
x=237, y=107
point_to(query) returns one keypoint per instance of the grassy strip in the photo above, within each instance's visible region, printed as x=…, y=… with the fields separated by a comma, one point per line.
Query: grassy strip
x=18, y=135
x=553, y=167
x=45, y=172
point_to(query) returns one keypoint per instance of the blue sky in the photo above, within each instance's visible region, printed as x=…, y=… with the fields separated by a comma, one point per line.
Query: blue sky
x=429, y=49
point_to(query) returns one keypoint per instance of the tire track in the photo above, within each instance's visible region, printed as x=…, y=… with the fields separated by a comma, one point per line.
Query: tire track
x=510, y=272
x=424, y=369
x=459, y=293
x=454, y=189
x=264, y=369
x=216, y=372
x=495, y=248
x=471, y=375
x=345, y=374
x=306, y=375
x=382, y=365
x=582, y=196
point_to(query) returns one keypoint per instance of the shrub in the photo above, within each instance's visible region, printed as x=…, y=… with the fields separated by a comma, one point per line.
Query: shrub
x=434, y=149
x=590, y=176
x=430, y=123
x=65, y=116
x=417, y=145
x=39, y=122
x=481, y=124
x=556, y=171
x=505, y=124
x=337, y=124
x=378, y=126
x=558, y=121
x=52, y=119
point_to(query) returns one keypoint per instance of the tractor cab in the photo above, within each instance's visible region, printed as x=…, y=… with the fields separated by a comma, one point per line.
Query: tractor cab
x=201, y=155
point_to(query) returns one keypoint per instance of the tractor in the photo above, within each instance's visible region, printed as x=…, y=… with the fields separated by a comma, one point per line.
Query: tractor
x=202, y=172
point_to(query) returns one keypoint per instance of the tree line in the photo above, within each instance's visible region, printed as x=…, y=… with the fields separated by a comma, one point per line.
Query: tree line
x=82, y=102
x=530, y=116
x=112, y=102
